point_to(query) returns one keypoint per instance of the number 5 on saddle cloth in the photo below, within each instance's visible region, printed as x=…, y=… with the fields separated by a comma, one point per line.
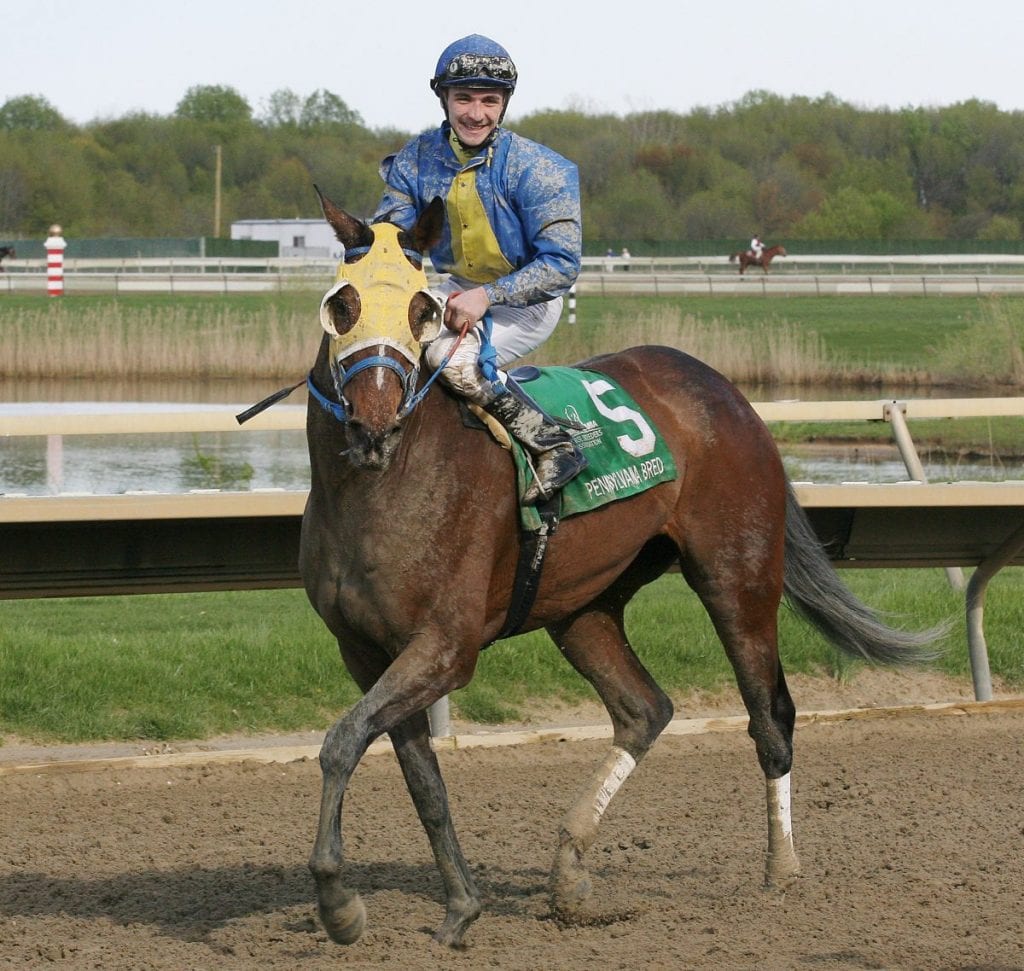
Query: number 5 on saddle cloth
x=626, y=455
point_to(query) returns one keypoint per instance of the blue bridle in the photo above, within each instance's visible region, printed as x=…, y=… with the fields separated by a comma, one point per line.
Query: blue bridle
x=341, y=410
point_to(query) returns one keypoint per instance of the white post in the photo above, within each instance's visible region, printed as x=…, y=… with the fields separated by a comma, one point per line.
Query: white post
x=894, y=412
x=55, y=464
x=439, y=715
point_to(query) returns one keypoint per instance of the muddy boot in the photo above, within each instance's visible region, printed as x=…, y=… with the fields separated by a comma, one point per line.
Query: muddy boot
x=557, y=460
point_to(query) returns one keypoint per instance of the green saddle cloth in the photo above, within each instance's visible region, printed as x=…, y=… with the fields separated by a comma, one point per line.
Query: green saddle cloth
x=625, y=452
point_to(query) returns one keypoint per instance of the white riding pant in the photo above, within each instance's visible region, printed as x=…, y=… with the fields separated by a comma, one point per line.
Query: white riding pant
x=515, y=333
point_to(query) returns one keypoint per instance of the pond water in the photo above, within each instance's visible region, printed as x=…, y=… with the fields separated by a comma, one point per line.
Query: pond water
x=249, y=459
x=112, y=464
x=115, y=464
x=883, y=465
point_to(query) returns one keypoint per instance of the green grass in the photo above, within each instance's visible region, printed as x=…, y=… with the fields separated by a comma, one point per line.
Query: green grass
x=299, y=300
x=1000, y=436
x=903, y=331
x=197, y=665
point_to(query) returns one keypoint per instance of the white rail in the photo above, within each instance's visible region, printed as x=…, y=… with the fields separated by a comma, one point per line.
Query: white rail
x=17, y=420
x=824, y=274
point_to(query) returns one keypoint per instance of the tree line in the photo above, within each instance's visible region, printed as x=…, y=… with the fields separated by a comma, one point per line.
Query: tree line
x=808, y=168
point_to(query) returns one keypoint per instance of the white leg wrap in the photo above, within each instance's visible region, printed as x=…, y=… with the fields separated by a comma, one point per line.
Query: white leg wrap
x=780, y=811
x=617, y=767
x=781, y=863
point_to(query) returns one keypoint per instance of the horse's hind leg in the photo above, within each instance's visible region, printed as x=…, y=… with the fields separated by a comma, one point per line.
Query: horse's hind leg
x=743, y=605
x=595, y=644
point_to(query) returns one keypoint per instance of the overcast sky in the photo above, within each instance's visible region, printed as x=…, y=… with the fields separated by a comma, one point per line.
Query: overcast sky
x=102, y=58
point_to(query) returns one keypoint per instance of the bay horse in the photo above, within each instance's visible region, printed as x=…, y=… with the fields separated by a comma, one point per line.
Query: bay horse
x=409, y=549
x=746, y=257
x=6, y=251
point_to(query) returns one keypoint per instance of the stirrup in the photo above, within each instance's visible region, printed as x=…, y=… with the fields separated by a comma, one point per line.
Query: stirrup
x=566, y=461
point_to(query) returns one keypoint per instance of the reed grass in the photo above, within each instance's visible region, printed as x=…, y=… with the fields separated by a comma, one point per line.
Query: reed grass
x=842, y=341
x=756, y=353
x=990, y=351
x=126, y=343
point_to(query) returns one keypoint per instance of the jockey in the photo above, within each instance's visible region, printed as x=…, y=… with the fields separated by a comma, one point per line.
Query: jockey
x=756, y=247
x=511, y=246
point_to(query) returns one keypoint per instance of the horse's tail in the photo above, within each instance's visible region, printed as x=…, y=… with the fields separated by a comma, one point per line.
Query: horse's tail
x=732, y=257
x=813, y=589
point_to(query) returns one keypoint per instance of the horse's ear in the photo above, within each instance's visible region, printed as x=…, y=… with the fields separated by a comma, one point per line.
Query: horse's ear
x=430, y=225
x=340, y=309
x=349, y=231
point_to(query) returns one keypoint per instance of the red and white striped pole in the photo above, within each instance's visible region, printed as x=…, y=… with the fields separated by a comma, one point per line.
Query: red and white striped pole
x=55, y=246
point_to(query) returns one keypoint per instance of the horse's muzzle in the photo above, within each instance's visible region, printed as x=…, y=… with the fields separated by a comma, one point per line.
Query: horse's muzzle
x=371, y=449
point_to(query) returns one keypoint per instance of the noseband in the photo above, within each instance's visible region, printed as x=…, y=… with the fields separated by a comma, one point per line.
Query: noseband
x=341, y=410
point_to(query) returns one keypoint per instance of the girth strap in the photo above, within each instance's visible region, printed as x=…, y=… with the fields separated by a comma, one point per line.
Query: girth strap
x=533, y=547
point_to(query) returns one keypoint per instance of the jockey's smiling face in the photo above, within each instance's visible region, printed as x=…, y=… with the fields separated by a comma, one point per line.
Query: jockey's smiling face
x=474, y=113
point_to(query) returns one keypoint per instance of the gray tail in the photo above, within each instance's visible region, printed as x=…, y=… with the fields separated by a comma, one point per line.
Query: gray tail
x=813, y=589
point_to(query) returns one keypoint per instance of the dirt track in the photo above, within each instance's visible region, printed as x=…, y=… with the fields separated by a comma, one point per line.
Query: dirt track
x=911, y=832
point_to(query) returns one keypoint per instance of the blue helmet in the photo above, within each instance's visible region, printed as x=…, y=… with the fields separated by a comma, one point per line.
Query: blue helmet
x=474, y=62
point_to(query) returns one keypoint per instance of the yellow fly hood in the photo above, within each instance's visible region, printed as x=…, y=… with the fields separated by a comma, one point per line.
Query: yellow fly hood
x=385, y=281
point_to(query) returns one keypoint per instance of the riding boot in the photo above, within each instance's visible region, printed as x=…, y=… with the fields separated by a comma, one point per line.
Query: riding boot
x=557, y=460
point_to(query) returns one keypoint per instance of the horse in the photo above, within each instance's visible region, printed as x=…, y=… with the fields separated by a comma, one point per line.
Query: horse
x=746, y=257
x=6, y=251
x=409, y=546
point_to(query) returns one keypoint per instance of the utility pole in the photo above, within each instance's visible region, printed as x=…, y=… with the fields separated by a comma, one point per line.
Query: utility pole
x=216, y=192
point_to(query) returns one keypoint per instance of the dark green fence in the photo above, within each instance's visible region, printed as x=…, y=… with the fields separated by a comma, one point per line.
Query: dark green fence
x=139, y=248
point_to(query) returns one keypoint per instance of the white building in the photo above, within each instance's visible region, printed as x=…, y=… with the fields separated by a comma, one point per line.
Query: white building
x=296, y=237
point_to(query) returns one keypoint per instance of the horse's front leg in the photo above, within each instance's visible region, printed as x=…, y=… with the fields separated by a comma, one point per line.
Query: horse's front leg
x=417, y=678
x=426, y=786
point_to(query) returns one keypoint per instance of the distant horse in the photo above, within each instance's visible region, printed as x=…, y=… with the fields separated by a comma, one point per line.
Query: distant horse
x=6, y=251
x=747, y=258
x=410, y=544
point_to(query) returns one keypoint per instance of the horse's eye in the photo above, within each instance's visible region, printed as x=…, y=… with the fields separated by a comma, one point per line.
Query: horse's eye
x=339, y=309
x=425, y=314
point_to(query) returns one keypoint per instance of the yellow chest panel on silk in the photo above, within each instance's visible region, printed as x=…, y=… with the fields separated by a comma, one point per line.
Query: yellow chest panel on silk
x=478, y=256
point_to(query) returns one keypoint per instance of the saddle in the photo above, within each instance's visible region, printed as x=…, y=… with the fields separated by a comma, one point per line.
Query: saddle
x=626, y=455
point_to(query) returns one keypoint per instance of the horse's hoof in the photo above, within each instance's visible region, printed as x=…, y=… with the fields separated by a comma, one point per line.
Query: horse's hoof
x=449, y=936
x=345, y=923
x=779, y=874
x=460, y=915
x=568, y=895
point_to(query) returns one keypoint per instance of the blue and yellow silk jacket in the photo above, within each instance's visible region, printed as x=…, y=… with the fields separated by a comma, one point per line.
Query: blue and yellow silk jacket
x=531, y=199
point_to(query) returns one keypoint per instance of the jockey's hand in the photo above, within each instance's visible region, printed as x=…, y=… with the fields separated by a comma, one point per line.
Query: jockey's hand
x=468, y=305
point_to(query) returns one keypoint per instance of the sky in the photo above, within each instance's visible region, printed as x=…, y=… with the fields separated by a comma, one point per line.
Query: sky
x=99, y=59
